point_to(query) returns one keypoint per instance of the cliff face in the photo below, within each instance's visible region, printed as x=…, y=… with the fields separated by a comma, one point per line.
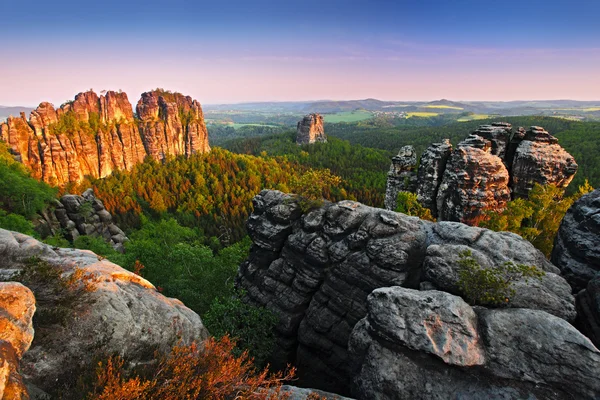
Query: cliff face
x=320, y=273
x=487, y=169
x=95, y=135
x=310, y=130
x=402, y=176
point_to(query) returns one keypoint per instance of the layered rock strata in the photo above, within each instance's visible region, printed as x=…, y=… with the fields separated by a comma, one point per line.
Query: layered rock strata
x=95, y=135
x=401, y=176
x=486, y=170
x=315, y=270
x=110, y=311
x=310, y=130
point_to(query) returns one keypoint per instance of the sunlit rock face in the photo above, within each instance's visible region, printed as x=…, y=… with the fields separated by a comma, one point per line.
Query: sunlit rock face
x=17, y=306
x=95, y=135
x=369, y=306
x=487, y=169
x=111, y=311
x=540, y=159
x=310, y=130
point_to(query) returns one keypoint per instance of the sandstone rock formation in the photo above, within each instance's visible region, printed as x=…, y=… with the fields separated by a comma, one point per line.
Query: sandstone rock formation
x=112, y=311
x=577, y=245
x=474, y=181
x=95, y=135
x=432, y=345
x=540, y=159
x=82, y=215
x=486, y=170
x=310, y=130
x=431, y=171
x=17, y=306
x=316, y=270
x=402, y=176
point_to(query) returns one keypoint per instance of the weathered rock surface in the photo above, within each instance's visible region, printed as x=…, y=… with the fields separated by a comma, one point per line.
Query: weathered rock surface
x=474, y=181
x=95, y=135
x=577, y=245
x=116, y=312
x=540, y=159
x=315, y=271
x=296, y=393
x=310, y=130
x=402, y=176
x=17, y=306
x=551, y=294
x=588, y=310
x=430, y=173
x=486, y=170
x=83, y=215
x=513, y=354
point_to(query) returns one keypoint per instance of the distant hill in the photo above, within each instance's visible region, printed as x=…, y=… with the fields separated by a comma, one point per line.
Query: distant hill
x=6, y=111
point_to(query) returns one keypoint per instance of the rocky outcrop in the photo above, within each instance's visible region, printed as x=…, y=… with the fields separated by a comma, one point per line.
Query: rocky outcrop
x=95, y=135
x=171, y=124
x=540, y=159
x=310, y=130
x=577, y=245
x=588, y=310
x=486, y=170
x=296, y=393
x=432, y=345
x=78, y=215
x=474, y=181
x=125, y=312
x=430, y=173
x=17, y=306
x=402, y=175
x=315, y=270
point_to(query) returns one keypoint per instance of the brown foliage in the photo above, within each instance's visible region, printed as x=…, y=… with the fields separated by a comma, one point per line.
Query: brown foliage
x=189, y=372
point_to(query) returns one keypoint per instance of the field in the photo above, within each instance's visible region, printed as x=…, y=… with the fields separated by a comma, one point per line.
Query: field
x=473, y=117
x=422, y=114
x=348, y=116
x=238, y=126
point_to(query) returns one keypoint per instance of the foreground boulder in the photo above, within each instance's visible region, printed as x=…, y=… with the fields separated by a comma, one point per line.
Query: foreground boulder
x=89, y=308
x=577, y=246
x=315, y=270
x=432, y=345
x=588, y=310
x=17, y=306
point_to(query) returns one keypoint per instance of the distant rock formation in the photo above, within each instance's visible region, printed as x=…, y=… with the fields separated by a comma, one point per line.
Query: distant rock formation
x=402, y=175
x=111, y=311
x=95, y=135
x=17, y=306
x=310, y=130
x=486, y=170
x=316, y=270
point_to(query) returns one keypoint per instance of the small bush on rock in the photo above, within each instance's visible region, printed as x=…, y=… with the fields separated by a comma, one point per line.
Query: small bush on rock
x=491, y=286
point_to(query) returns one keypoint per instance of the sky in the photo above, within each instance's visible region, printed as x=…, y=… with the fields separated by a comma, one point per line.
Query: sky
x=230, y=51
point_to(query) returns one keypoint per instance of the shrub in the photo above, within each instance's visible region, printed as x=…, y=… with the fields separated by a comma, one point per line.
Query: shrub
x=408, y=204
x=312, y=186
x=252, y=327
x=189, y=372
x=491, y=286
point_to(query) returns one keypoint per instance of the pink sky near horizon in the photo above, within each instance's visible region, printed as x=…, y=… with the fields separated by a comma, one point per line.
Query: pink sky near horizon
x=393, y=71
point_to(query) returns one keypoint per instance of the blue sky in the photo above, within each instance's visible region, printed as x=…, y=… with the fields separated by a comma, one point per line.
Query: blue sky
x=228, y=51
